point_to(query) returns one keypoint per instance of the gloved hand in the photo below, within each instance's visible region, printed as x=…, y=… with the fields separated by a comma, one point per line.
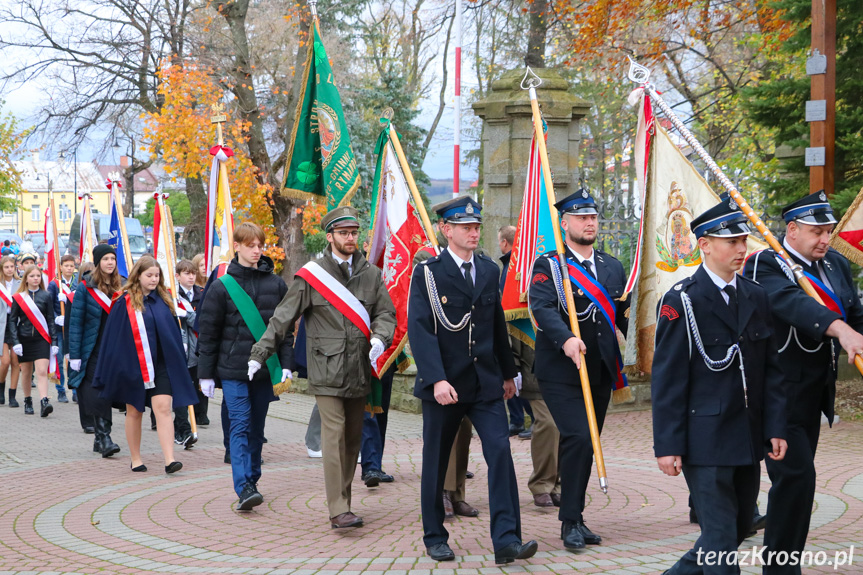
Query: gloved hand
x=18, y=349
x=208, y=387
x=59, y=320
x=376, y=351
x=55, y=350
x=62, y=297
x=181, y=312
x=254, y=366
x=518, y=382
x=75, y=364
x=286, y=374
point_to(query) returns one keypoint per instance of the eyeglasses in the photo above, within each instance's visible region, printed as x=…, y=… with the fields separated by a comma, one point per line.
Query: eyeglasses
x=348, y=234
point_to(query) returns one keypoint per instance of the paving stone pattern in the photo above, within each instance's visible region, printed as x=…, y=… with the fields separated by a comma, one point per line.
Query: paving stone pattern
x=64, y=509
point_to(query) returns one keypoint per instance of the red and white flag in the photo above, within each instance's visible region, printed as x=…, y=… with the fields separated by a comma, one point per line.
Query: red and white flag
x=396, y=236
x=220, y=212
x=50, y=270
x=87, y=239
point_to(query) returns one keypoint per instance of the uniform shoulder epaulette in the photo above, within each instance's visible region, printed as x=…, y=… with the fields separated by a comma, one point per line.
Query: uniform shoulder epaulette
x=430, y=260
x=483, y=256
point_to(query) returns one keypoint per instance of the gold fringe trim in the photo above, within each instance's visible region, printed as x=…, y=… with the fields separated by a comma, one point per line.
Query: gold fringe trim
x=520, y=336
x=374, y=410
x=845, y=248
x=623, y=395
x=519, y=313
x=395, y=355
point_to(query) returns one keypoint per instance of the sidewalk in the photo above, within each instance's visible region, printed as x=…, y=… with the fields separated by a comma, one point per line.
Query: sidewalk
x=63, y=509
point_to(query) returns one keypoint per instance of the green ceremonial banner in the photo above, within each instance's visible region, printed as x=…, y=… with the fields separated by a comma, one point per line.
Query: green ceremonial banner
x=320, y=160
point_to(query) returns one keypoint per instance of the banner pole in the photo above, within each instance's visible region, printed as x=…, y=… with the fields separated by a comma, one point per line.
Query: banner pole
x=530, y=85
x=640, y=74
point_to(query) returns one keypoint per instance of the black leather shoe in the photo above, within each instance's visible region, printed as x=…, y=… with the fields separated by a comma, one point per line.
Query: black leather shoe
x=371, y=479
x=440, y=552
x=515, y=551
x=590, y=537
x=515, y=429
x=173, y=467
x=46, y=408
x=249, y=498
x=386, y=478
x=693, y=517
x=571, y=535
x=228, y=457
x=759, y=522
x=469, y=474
x=28, y=406
x=89, y=430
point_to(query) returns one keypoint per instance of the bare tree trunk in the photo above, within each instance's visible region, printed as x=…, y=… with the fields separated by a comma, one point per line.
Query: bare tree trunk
x=537, y=34
x=193, y=237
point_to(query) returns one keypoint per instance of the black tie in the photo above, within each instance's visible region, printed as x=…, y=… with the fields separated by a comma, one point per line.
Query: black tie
x=466, y=267
x=732, y=300
x=587, y=266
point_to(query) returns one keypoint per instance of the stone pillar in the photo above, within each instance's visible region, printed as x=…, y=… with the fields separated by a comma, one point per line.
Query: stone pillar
x=508, y=129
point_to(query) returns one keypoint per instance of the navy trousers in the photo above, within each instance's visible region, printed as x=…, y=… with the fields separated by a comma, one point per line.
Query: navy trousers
x=375, y=428
x=247, y=407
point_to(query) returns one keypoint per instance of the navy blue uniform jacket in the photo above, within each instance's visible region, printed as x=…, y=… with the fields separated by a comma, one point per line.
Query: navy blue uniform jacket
x=792, y=307
x=118, y=373
x=700, y=414
x=475, y=367
x=551, y=363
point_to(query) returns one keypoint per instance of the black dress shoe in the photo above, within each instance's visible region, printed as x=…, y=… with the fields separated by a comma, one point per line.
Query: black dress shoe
x=693, y=517
x=759, y=522
x=173, y=467
x=515, y=429
x=371, y=479
x=228, y=457
x=89, y=430
x=140, y=469
x=571, y=535
x=590, y=537
x=515, y=551
x=469, y=474
x=386, y=478
x=440, y=552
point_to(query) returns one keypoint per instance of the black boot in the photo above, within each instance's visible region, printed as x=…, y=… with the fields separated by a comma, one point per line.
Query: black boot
x=47, y=408
x=28, y=406
x=12, y=401
x=103, y=428
x=2, y=393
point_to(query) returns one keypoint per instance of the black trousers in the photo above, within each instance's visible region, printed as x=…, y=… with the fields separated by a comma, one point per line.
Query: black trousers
x=792, y=491
x=724, y=498
x=565, y=401
x=440, y=424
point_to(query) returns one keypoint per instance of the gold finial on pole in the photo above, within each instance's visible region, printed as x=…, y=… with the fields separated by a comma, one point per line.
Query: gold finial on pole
x=219, y=117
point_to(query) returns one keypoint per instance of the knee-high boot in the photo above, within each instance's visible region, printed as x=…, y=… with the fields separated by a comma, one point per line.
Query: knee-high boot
x=103, y=430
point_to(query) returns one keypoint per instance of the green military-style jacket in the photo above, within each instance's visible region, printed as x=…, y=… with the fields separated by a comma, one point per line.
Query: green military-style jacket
x=337, y=351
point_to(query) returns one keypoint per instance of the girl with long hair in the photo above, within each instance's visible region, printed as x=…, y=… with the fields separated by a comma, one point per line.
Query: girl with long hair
x=200, y=270
x=142, y=361
x=33, y=336
x=87, y=318
x=9, y=282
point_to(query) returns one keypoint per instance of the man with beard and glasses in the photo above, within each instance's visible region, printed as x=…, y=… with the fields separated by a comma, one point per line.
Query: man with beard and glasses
x=350, y=321
x=559, y=352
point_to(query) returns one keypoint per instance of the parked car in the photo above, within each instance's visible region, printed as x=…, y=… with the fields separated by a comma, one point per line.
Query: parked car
x=38, y=243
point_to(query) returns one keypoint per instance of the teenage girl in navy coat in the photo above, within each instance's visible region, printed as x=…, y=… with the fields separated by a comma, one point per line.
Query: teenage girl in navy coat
x=124, y=358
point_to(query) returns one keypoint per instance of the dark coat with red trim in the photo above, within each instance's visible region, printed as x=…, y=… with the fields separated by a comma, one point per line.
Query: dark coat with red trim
x=82, y=327
x=118, y=371
x=20, y=325
x=700, y=414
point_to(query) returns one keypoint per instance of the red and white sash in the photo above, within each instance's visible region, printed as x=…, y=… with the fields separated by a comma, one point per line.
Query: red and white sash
x=34, y=314
x=4, y=295
x=100, y=297
x=142, y=344
x=338, y=295
x=184, y=304
x=66, y=290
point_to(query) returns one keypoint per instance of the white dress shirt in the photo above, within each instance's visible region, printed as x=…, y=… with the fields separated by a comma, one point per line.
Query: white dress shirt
x=459, y=262
x=721, y=283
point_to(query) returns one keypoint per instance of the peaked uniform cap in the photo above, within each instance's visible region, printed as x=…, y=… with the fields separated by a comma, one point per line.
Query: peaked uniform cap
x=813, y=209
x=580, y=203
x=722, y=220
x=460, y=210
x=343, y=217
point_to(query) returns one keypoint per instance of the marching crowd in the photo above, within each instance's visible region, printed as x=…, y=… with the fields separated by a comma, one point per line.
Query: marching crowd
x=745, y=363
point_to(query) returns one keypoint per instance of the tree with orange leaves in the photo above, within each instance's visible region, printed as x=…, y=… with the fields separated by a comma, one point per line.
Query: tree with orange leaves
x=181, y=131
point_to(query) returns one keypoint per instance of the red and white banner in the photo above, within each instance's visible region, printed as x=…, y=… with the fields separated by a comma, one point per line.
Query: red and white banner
x=142, y=344
x=103, y=300
x=87, y=240
x=338, y=295
x=641, y=154
x=397, y=235
x=37, y=319
x=50, y=270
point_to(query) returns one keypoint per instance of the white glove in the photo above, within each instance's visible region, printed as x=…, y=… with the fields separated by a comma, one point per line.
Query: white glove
x=18, y=349
x=208, y=387
x=55, y=350
x=186, y=348
x=254, y=366
x=286, y=374
x=59, y=320
x=518, y=381
x=62, y=297
x=181, y=312
x=75, y=364
x=376, y=351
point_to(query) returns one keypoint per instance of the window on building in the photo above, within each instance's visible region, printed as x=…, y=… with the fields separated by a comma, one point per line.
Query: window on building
x=65, y=213
x=35, y=213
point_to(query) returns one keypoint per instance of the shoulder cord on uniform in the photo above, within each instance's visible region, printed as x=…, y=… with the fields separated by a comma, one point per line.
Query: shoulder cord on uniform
x=561, y=295
x=434, y=300
x=792, y=331
x=712, y=365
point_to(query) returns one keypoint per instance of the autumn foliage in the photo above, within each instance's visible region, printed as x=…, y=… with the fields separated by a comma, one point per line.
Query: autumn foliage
x=182, y=132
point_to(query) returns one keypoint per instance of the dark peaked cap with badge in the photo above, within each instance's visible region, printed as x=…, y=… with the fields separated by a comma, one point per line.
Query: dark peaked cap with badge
x=343, y=217
x=460, y=210
x=814, y=210
x=723, y=220
x=580, y=203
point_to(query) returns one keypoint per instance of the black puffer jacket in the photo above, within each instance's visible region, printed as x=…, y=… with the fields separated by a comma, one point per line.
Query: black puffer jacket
x=19, y=323
x=224, y=341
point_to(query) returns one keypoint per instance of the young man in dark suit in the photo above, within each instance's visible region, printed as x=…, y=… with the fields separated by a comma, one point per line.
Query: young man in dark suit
x=718, y=400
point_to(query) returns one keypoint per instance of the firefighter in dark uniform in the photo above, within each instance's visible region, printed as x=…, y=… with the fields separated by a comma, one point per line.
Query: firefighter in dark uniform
x=807, y=334
x=458, y=336
x=716, y=387
x=559, y=354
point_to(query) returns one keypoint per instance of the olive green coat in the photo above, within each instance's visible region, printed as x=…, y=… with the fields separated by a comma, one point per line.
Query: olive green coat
x=338, y=352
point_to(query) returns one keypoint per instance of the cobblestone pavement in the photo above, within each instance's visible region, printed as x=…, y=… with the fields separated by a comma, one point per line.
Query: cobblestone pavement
x=63, y=509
